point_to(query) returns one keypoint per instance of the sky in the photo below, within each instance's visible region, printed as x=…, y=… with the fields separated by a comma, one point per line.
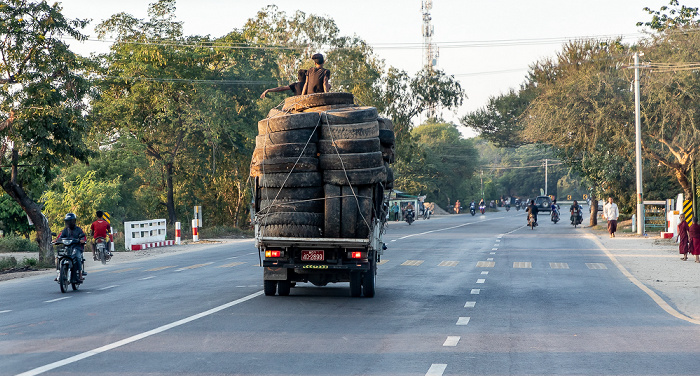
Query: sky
x=486, y=44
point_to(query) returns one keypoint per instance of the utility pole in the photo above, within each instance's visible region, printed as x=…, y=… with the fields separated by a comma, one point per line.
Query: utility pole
x=638, y=147
x=430, y=52
x=482, y=184
x=545, y=176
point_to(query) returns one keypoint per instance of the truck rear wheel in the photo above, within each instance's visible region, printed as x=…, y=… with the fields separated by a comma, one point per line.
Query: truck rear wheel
x=270, y=287
x=368, y=282
x=284, y=288
x=355, y=284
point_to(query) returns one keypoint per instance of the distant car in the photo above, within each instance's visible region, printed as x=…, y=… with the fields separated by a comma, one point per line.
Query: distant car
x=544, y=203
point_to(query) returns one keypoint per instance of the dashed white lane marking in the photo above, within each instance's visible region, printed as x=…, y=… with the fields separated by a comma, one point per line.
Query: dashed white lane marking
x=412, y=262
x=5, y=311
x=446, y=228
x=480, y=280
x=231, y=258
x=393, y=240
x=522, y=265
x=558, y=265
x=476, y=291
x=489, y=259
x=195, y=266
x=494, y=249
x=448, y=263
x=484, y=273
x=463, y=320
x=251, y=253
x=469, y=304
x=55, y=300
x=108, y=287
x=436, y=369
x=596, y=265
x=485, y=264
x=492, y=253
x=451, y=341
x=143, y=279
x=498, y=240
x=126, y=341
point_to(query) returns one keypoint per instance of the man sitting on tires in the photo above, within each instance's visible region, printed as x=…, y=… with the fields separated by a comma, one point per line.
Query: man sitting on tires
x=99, y=229
x=317, y=77
x=296, y=87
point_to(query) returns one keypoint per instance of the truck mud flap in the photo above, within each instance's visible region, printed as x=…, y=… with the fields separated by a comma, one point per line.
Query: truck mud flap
x=275, y=274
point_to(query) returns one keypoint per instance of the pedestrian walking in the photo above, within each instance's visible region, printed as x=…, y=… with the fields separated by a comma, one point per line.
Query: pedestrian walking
x=610, y=212
x=694, y=233
x=395, y=210
x=683, y=245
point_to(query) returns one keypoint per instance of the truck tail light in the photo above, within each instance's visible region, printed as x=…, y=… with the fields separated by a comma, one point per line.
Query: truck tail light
x=357, y=255
x=273, y=253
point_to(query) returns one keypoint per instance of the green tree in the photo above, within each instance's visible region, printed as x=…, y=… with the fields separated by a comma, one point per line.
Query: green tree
x=671, y=18
x=13, y=220
x=42, y=104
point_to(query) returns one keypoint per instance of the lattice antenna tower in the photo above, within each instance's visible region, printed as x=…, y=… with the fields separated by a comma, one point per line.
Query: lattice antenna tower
x=430, y=51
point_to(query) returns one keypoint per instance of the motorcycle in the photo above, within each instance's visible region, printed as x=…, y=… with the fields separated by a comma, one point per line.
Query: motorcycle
x=70, y=266
x=507, y=207
x=427, y=213
x=472, y=210
x=410, y=216
x=576, y=217
x=555, y=216
x=101, y=251
x=482, y=208
x=531, y=221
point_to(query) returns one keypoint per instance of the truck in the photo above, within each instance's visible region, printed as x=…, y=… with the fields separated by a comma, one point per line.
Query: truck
x=321, y=181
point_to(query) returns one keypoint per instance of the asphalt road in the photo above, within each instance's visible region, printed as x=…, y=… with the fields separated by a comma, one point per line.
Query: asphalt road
x=456, y=295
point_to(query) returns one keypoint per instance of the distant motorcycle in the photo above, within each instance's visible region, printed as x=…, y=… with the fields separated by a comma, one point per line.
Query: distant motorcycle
x=531, y=221
x=427, y=213
x=472, y=210
x=507, y=207
x=555, y=216
x=69, y=265
x=482, y=208
x=517, y=206
x=410, y=216
x=101, y=250
x=576, y=217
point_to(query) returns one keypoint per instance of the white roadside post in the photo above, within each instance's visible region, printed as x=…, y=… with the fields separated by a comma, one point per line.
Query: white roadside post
x=178, y=233
x=638, y=147
x=195, y=234
x=111, y=239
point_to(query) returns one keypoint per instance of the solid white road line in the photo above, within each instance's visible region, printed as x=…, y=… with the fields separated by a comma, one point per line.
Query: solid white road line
x=475, y=291
x=143, y=279
x=436, y=369
x=445, y=229
x=108, y=287
x=480, y=280
x=126, y=341
x=469, y=304
x=463, y=320
x=55, y=300
x=451, y=341
x=5, y=311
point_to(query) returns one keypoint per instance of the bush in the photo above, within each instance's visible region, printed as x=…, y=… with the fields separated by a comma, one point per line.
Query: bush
x=17, y=244
x=7, y=263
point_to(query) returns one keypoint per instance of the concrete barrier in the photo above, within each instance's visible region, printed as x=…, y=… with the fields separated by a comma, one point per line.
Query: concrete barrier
x=144, y=234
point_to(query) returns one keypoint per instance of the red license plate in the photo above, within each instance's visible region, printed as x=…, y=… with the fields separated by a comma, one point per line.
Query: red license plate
x=312, y=256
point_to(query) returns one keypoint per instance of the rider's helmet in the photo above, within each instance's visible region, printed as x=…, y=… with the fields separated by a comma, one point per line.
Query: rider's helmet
x=70, y=219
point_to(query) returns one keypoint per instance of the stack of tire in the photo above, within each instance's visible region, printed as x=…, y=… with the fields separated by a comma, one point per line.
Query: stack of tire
x=320, y=168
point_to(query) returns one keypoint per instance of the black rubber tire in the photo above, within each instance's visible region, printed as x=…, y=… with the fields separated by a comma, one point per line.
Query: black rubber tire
x=284, y=288
x=365, y=145
x=364, y=217
x=389, y=173
x=286, y=206
x=290, y=231
x=348, y=211
x=284, y=151
x=286, y=122
x=277, y=165
x=385, y=123
x=291, y=218
x=389, y=185
x=329, y=107
x=352, y=161
x=295, y=179
x=275, y=112
x=297, y=136
x=305, y=193
x=388, y=153
x=64, y=278
x=350, y=131
x=350, y=115
x=386, y=137
x=331, y=220
x=303, y=102
x=270, y=287
x=355, y=284
x=356, y=177
x=369, y=280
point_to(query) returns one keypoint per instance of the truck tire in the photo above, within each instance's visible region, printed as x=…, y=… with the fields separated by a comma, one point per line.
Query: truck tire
x=270, y=287
x=365, y=145
x=355, y=284
x=291, y=180
x=291, y=218
x=276, y=112
x=303, y=102
x=352, y=161
x=386, y=137
x=290, y=231
x=284, y=288
x=288, y=122
x=349, y=115
x=388, y=153
x=277, y=165
x=330, y=107
x=369, y=280
x=331, y=225
x=348, y=211
x=364, y=218
x=389, y=173
x=284, y=151
x=385, y=123
x=286, y=206
x=296, y=136
x=350, y=131
x=305, y=193
x=355, y=177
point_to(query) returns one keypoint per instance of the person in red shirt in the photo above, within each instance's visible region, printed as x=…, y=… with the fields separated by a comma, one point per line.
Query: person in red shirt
x=99, y=229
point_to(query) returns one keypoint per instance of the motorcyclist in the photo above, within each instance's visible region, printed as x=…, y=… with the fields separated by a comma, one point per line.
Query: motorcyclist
x=408, y=210
x=576, y=209
x=472, y=205
x=100, y=229
x=533, y=210
x=72, y=231
x=555, y=207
